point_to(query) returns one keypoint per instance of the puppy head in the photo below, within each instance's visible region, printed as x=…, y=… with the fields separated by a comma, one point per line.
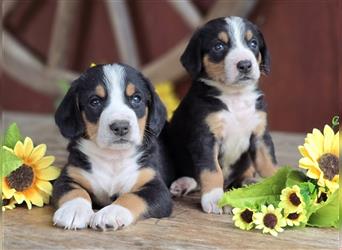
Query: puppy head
x=113, y=106
x=231, y=51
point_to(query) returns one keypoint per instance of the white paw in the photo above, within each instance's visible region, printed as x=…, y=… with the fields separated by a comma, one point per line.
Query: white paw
x=73, y=214
x=209, y=201
x=182, y=186
x=111, y=217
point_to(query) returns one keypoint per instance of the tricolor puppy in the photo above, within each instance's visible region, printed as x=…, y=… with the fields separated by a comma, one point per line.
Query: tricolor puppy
x=112, y=118
x=218, y=134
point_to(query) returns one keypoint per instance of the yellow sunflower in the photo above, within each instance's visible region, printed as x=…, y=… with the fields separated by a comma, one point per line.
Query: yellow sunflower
x=8, y=204
x=321, y=157
x=270, y=220
x=30, y=182
x=243, y=218
x=296, y=218
x=291, y=200
x=168, y=96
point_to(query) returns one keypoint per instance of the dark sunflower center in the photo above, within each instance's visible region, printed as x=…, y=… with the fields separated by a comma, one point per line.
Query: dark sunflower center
x=323, y=197
x=21, y=178
x=247, y=216
x=293, y=216
x=270, y=220
x=294, y=199
x=328, y=163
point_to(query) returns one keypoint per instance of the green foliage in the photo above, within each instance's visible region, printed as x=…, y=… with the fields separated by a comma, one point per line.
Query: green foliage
x=8, y=162
x=265, y=192
x=327, y=213
x=12, y=136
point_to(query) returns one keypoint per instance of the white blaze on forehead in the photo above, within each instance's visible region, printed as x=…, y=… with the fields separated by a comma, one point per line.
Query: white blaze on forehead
x=114, y=78
x=236, y=30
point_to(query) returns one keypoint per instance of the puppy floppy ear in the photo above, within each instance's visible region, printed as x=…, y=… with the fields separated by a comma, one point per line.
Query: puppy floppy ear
x=68, y=116
x=156, y=110
x=265, y=64
x=191, y=58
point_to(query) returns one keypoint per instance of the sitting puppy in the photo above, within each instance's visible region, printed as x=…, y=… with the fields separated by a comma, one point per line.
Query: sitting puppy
x=218, y=135
x=112, y=118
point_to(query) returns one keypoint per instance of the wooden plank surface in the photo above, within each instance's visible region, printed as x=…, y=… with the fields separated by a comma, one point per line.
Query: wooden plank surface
x=187, y=228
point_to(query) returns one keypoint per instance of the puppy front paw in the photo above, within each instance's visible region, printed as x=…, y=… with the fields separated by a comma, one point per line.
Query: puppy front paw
x=210, y=199
x=111, y=217
x=73, y=214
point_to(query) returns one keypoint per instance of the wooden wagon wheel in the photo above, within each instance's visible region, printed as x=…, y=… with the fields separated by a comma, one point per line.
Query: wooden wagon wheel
x=27, y=69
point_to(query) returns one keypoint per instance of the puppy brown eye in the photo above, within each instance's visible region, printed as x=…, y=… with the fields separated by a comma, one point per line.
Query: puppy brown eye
x=219, y=47
x=253, y=44
x=95, y=102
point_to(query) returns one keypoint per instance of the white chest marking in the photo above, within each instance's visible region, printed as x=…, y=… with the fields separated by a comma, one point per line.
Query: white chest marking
x=112, y=172
x=237, y=125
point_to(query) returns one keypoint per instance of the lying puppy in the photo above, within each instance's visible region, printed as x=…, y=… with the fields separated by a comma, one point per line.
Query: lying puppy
x=112, y=118
x=218, y=134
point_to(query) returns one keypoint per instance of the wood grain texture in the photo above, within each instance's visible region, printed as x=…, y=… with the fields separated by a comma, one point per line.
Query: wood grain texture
x=187, y=228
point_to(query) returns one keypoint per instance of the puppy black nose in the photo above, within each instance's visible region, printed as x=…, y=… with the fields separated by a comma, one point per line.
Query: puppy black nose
x=120, y=128
x=244, y=66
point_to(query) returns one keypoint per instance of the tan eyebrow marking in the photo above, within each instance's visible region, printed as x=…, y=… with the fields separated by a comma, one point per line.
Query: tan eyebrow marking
x=130, y=89
x=223, y=36
x=100, y=91
x=248, y=35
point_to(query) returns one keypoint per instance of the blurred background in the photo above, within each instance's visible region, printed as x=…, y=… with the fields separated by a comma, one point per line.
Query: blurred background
x=47, y=43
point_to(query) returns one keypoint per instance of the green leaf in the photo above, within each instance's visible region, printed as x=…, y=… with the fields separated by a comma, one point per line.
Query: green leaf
x=8, y=162
x=265, y=192
x=12, y=135
x=327, y=214
x=295, y=178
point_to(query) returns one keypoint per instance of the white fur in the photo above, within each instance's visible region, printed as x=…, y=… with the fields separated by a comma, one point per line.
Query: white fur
x=73, y=214
x=209, y=201
x=239, y=52
x=111, y=217
x=113, y=172
x=183, y=186
x=116, y=110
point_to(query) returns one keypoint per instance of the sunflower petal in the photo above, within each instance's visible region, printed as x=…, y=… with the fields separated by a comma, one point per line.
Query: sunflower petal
x=28, y=203
x=336, y=145
x=312, y=151
x=19, y=149
x=303, y=151
x=50, y=173
x=19, y=197
x=44, y=186
x=313, y=173
x=319, y=138
x=44, y=162
x=38, y=153
x=328, y=138
x=7, y=191
x=318, y=146
x=34, y=196
x=28, y=147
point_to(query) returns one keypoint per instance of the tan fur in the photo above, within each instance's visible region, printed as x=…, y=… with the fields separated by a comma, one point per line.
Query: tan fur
x=130, y=89
x=263, y=161
x=248, y=35
x=215, y=124
x=260, y=129
x=75, y=174
x=214, y=70
x=259, y=58
x=74, y=194
x=145, y=175
x=212, y=179
x=136, y=205
x=142, y=123
x=223, y=36
x=100, y=91
x=91, y=128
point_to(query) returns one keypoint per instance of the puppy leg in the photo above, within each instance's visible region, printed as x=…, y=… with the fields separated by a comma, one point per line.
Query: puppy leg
x=151, y=200
x=211, y=181
x=73, y=203
x=265, y=161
